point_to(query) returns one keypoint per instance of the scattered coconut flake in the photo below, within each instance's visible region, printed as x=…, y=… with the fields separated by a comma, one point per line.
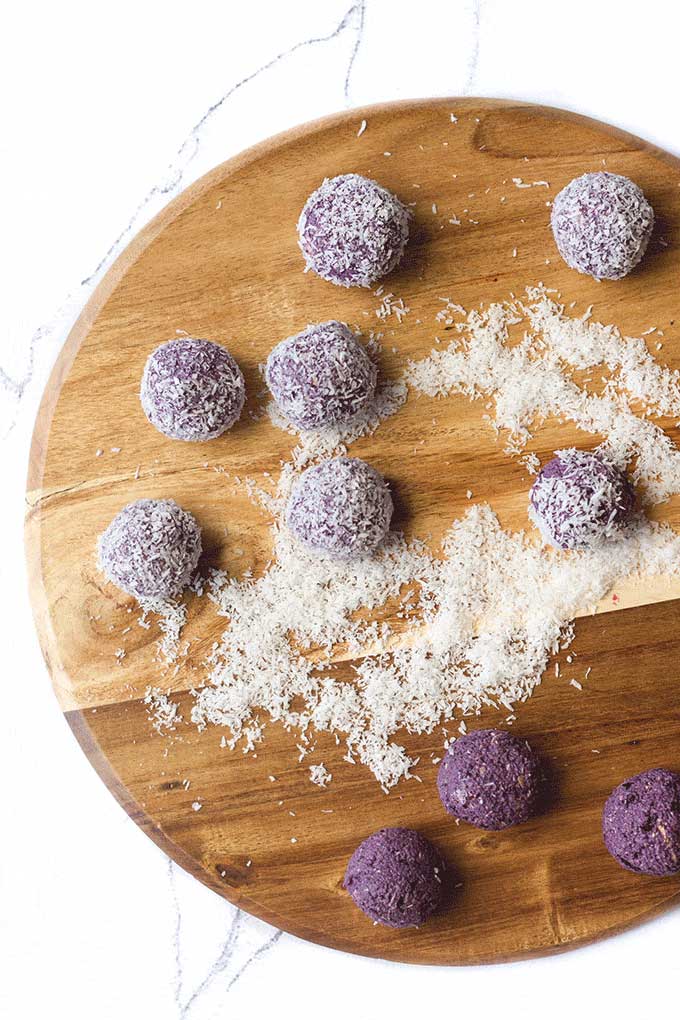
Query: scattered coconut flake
x=172, y=615
x=320, y=775
x=163, y=712
x=362, y=128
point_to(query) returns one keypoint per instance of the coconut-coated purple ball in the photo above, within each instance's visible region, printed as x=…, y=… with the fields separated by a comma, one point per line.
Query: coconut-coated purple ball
x=602, y=224
x=341, y=508
x=322, y=376
x=490, y=779
x=395, y=877
x=641, y=823
x=192, y=389
x=352, y=231
x=580, y=498
x=151, y=548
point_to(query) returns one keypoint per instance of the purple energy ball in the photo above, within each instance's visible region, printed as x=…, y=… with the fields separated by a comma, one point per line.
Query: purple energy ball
x=352, y=231
x=192, y=389
x=342, y=508
x=602, y=224
x=151, y=548
x=395, y=877
x=490, y=779
x=580, y=498
x=322, y=376
x=641, y=823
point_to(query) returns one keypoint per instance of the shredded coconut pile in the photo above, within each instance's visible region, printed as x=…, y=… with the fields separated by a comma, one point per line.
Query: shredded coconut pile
x=476, y=623
x=488, y=616
x=532, y=380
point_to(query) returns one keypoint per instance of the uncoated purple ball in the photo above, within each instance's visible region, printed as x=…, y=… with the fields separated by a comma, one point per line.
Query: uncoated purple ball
x=641, y=823
x=580, y=498
x=352, y=231
x=192, y=389
x=395, y=878
x=602, y=224
x=490, y=779
x=151, y=548
x=342, y=508
x=321, y=376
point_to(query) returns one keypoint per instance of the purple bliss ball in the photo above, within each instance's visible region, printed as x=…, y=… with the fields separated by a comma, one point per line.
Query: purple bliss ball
x=641, y=823
x=602, y=224
x=151, y=548
x=341, y=508
x=352, y=231
x=490, y=779
x=192, y=389
x=322, y=376
x=395, y=877
x=580, y=498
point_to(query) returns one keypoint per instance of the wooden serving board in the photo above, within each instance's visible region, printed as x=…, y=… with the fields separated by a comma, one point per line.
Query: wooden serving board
x=222, y=262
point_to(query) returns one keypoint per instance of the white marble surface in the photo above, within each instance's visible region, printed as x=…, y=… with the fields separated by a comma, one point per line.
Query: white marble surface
x=108, y=111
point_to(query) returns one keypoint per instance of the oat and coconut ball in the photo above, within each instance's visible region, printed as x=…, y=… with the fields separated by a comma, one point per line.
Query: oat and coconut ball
x=352, y=231
x=490, y=779
x=602, y=224
x=580, y=498
x=151, y=549
x=341, y=508
x=192, y=389
x=321, y=376
x=641, y=823
x=395, y=877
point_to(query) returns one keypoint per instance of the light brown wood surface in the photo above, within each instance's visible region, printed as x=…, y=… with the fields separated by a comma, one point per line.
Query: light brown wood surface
x=222, y=262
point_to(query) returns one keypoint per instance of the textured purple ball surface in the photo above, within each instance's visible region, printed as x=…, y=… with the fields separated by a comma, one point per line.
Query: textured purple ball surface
x=342, y=508
x=352, y=231
x=490, y=779
x=322, y=376
x=192, y=389
x=602, y=224
x=579, y=499
x=641, y=823
x=395, y=877
x=151, y=548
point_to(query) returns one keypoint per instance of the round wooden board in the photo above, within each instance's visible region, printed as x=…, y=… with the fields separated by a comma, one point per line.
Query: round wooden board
x=222, y=262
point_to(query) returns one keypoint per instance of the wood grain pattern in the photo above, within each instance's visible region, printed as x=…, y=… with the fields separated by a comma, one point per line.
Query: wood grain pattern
x=222, y=262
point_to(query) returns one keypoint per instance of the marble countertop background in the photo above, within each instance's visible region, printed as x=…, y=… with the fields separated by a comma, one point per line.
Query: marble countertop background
x=108, y=112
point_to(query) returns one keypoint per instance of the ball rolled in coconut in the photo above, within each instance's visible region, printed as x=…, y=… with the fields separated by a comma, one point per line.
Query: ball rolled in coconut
x=321, y=376
x=192, y=390
x=579, y=499
x=341, y=508
x=602, y=224
x=151, y=549
x=352, y=231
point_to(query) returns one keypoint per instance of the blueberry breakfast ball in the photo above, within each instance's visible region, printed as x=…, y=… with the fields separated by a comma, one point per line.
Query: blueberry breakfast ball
x=352, y=231
x=192, y=389
x=490, y=779
x=322, y=376
x=395, y=877
x=580, y=498
x=602, y=224
x=641, y=823
x=341, y=508
x=151, y=548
